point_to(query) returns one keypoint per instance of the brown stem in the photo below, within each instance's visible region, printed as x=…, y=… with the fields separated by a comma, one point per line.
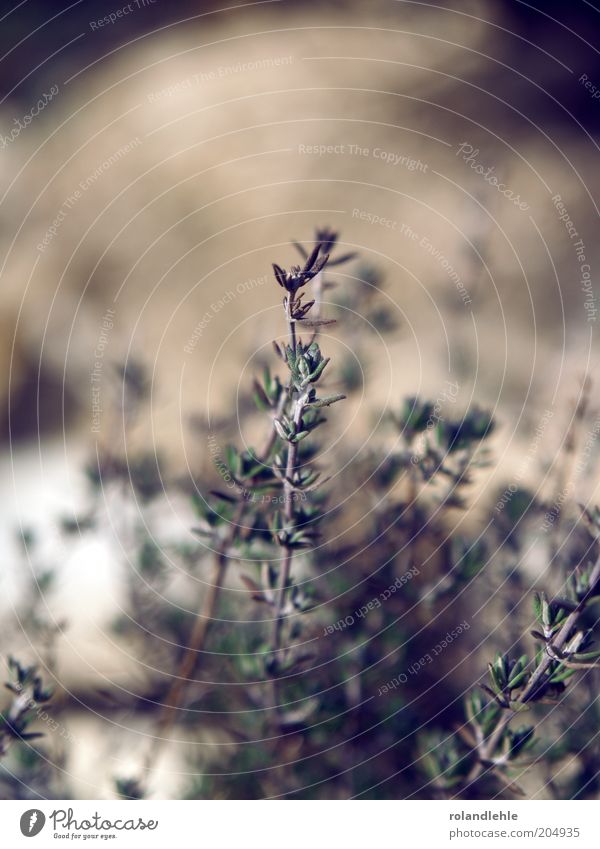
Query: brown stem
x=565, y=476
x=201, y=627
x=195, y=645
x=202, y=624
x=286, y=563
x=284, y=572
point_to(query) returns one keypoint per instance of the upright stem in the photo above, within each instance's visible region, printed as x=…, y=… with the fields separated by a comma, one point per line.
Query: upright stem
x=292, y=458
x=195, y=644
x=201, y=628
x=286, y=562
x=199, y=632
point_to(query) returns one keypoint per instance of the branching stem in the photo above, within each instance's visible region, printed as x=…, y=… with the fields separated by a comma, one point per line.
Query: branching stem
x=288, y=489
x=487, y=748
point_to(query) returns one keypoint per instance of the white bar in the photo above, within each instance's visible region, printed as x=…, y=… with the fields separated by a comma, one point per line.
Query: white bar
x=301, y=824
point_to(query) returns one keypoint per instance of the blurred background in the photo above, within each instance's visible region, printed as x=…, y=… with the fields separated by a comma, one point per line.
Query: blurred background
x=155, y=159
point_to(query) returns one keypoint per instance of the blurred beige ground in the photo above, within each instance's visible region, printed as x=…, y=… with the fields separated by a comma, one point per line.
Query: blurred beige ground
x=172, y=174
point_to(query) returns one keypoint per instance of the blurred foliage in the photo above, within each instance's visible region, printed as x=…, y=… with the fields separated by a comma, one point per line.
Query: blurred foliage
x=372, y=698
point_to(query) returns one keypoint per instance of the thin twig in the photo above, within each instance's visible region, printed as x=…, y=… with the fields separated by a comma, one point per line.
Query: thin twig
x=486, y=750
x=204, y=618
x=195, y=645
x=294, y=310
x=286, y=563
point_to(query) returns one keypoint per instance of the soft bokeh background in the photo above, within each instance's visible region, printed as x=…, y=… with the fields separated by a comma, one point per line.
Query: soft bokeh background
x=177, y=160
